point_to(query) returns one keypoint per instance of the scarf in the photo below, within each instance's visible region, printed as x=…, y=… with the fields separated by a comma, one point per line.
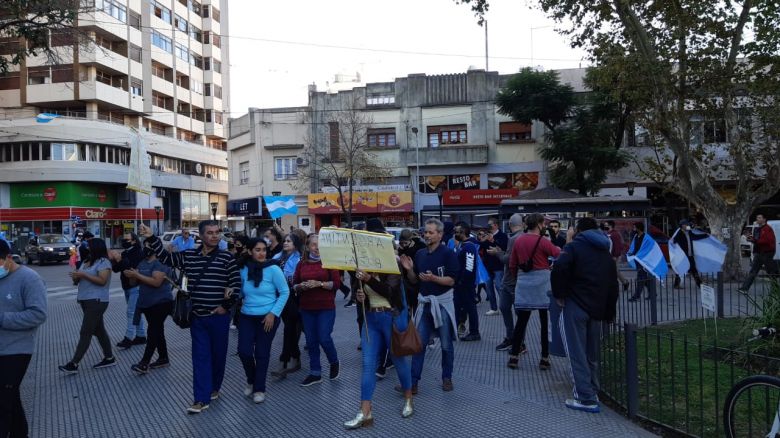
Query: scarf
x=314, y=258
x=255, y=270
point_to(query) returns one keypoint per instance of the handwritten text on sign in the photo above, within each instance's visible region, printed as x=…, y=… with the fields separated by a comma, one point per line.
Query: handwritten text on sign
x=346, y=249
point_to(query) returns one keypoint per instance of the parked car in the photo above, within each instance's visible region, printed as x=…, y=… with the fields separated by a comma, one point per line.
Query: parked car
x=48, y=248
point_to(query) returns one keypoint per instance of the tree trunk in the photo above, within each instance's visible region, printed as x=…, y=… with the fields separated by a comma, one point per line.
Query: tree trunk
x=727, y=227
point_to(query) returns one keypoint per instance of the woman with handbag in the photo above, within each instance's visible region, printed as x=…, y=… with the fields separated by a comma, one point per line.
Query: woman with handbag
x=265, y=292
x=383, y=301
x=155, y=302
x=530, y=263
x=316, y=287
x=290, y=358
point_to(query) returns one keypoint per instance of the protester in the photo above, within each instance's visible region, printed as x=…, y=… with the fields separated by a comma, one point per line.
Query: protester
x=155, y=302
x=684, y=238
x=531, y=250
x=317, y=287
x=494, y=241
x=435, y=270
x=288, y=259
x=584, y=284
x=22, y=311
x=557, y=235
x=214, y=284
x=265, y=292
x=764, y=247
x=241, y=255
x=380, y=298
x=273, y=237
x=183, y=242
x=465, y=284
x=643, y=278
x=408, y=244
x=507, y=287
x=616, y=249
x=94, y=281
x=127, y=260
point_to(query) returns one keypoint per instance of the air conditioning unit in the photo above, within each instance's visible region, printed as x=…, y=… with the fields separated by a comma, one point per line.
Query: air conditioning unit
x=209, y=176
x=300, y=162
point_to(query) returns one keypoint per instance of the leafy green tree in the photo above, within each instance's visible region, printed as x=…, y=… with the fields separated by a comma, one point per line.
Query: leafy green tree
x=583, y=139
x=703, y=81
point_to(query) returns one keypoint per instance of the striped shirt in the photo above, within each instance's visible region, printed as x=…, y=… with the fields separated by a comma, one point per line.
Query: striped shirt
x=218, y=286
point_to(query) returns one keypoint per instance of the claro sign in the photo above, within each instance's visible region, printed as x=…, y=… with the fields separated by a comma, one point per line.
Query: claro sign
x=95, y=214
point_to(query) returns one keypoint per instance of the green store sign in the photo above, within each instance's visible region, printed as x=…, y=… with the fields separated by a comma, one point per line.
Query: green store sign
x=62, y=194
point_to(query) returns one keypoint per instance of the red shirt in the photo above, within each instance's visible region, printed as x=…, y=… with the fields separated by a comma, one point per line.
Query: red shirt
x=766, y=240
x=617, y=243
x=523, y=247
x=318, y=298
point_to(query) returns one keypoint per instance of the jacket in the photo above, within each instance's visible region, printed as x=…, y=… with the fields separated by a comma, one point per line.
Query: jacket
x=131, y=257
x=585, y=273
x=468, y=252
x=685, y=240
x=764, y=240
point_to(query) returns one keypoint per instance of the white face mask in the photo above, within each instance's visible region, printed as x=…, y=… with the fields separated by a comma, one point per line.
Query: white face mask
x=687, y=228
x=4, y=271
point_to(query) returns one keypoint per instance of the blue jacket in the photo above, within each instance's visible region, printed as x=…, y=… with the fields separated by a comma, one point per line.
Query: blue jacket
x=468, y=252
x=586, y=273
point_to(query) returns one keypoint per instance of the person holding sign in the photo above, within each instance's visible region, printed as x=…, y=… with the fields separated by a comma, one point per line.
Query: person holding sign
x=434, y=269
x=316, y=287
x=380, y=297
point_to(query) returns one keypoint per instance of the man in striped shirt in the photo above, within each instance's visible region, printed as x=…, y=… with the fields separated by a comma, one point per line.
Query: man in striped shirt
x=214, y=284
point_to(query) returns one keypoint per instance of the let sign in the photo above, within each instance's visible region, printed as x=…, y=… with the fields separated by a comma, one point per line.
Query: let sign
x=348, y=250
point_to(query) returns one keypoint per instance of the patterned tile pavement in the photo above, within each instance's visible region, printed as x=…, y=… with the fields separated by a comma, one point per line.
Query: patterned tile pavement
x=489, y=399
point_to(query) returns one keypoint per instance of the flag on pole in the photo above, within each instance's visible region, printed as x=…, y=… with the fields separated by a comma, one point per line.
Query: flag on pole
x=279, y=206
x=45, y=117
x=709, y=254
x=650, y=257
x=139, y=178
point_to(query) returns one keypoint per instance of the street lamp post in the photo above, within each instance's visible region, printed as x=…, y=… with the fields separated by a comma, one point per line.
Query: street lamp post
x=416, y=186
x=440, y=194
x=157, y=210
x=214, y=206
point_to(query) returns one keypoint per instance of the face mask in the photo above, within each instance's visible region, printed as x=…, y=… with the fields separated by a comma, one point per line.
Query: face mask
x=4, y=272
x=267, y=240
x=687, y=228
x=148, y=252
x=126, y=244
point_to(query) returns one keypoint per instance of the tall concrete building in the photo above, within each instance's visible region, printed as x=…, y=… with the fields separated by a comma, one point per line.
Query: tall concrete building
x=154, y=68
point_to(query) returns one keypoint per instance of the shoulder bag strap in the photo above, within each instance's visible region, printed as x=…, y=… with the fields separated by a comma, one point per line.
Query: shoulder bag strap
x=197, y=279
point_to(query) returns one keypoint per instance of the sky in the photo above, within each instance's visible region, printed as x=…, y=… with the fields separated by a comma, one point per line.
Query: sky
x=278, y=48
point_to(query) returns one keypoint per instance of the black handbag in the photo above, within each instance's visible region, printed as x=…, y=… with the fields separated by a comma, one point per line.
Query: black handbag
x=182, y=304
x=528, y=265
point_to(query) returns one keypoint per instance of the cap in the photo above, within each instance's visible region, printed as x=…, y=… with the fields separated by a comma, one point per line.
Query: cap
x=684, y=222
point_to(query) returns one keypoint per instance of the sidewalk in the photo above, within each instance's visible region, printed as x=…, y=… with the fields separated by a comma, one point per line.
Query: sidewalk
x=489, y=399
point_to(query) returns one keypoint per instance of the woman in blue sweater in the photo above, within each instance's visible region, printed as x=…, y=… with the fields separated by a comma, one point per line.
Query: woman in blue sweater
x=265, y=292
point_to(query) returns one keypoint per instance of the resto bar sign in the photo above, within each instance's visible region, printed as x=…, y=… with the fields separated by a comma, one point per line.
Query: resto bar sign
x=478, y=197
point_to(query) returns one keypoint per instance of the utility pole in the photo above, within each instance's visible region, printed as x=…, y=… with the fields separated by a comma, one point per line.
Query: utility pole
x=486, y=46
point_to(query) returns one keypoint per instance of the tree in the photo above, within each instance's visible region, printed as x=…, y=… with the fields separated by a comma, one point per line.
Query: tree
x=583, y=140
x=343, y=158
x=703, y=77
x=28, y=24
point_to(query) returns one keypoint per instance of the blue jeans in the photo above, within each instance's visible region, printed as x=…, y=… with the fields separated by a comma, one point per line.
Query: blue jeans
x=254, y=348
x=506, y=302
x=209, y=353
x=445, y=336
x=318, y=326
x=379, y=325
x=494, y=284
x=131, y=298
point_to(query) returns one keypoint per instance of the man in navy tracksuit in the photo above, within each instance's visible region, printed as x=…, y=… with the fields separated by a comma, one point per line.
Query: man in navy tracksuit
x=584, y=283
x=465, y=286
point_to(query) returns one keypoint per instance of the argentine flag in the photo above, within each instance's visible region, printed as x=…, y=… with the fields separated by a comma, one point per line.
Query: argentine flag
x=45, y=117
x=709, y=253
x=279, y=206
x=650, y=257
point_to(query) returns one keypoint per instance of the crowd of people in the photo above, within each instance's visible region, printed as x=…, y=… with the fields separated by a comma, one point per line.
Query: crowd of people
x=257, y=284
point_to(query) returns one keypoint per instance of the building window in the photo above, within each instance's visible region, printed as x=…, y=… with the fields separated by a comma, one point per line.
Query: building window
x=215, y=14
x=180, y=23
x=38, y=75
x=445, y=135
x=207, y=89
x=182, y=53
x=162, y=101
x=243, y=173
x=514, y=132
x=135, y=20
x=62, y=37
x=380, y=99
x=215, y=40
x=112, y=8
x=218, y=117
x=285, y=168
x=196, y=60
x=162, y=72
x=383, y=137
x=136, y=87
x=335, y=152
x=9, y=81
x=162, y=41
x=161, y=12
x=135, y=53
x=196, y=86
x=195, y=33
x=217, y=91
x=216, y=66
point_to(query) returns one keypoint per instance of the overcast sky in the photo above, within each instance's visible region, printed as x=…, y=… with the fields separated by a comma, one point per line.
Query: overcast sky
x=399, y=37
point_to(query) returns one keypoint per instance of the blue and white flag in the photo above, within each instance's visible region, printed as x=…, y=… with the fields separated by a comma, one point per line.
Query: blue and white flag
x=279, y=206
x=45, y=117
x=650, y=257
x=709, y=254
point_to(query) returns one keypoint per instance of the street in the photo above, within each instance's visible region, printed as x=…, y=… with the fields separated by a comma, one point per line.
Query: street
x=489, y=399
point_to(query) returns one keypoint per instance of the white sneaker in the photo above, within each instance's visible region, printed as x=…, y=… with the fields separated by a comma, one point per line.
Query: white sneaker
x=248, y=390
x=259, y=397
x=491, y=312
x=233, y=327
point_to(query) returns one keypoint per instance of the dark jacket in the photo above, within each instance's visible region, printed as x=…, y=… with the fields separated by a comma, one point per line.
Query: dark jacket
x=131, y=257
x=585, y=273
x=683, y=238
x=388, y=285
x=467, y=259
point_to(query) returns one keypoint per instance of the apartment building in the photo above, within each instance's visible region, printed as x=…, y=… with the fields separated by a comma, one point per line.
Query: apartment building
x=448, y=147
x=156, y=68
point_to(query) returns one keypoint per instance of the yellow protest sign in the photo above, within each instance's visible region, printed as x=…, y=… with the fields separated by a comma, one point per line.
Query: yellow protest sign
x=345, y=249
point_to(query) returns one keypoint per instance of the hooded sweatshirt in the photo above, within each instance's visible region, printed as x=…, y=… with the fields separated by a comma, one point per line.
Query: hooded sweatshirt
x=585, y=273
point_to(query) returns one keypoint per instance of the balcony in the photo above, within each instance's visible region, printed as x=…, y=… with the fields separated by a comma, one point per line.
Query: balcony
x=105, y=93
x=43, y=93
x=114, y=62
x=446, y=155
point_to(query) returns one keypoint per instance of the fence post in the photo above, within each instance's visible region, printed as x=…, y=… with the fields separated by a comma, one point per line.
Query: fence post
x=632, y=369
x=654, y=290
x=720, y=292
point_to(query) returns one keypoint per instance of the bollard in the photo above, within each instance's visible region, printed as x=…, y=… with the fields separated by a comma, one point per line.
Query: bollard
x=632, y=370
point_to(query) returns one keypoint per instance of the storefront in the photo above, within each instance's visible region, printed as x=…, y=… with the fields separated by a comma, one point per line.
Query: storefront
x=394, y=208
x=247, y=214
x=471, y=206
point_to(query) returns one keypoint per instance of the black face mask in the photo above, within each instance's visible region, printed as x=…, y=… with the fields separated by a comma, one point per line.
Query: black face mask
x=127, y=244
x=148, y=252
